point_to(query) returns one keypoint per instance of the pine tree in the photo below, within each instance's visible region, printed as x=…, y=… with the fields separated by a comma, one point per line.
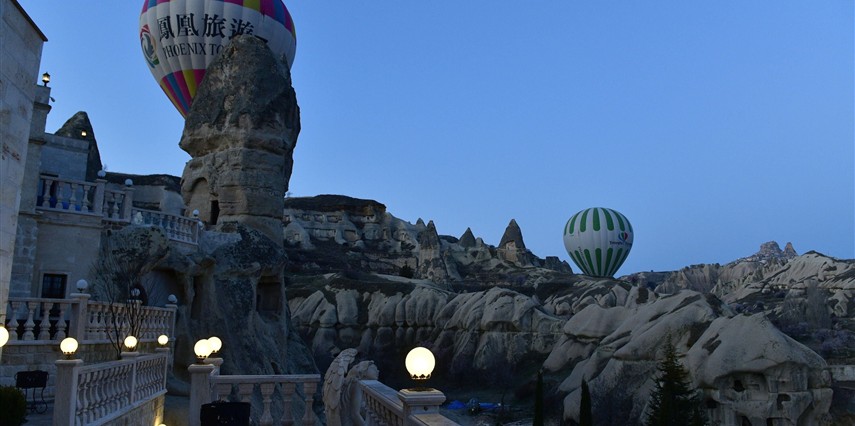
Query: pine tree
x=673, y=402
x=538, y=401
x=585, y=418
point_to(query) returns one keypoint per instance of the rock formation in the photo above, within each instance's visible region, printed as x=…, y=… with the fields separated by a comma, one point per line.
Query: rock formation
x=615, y=348
x=607, y=332
x=241, y=132
x=79, y=127
x=335, y=233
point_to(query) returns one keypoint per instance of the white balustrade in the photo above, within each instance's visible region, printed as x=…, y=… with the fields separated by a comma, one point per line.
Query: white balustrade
x=67, y=195
x=113, y=200
x=87, y=198
x=113, y=205
x=98, y=393
x=37, y=319
x=386, y=406
x=178, y=228
x=51, y=320
x=382, y=404
x=271, y=388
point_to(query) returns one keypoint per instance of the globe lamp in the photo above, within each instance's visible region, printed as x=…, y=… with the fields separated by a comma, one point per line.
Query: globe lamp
x=68, y=346
x=163, y=340
x=216, y=344
x=420, y=363
x=202, y=348
x=4, y=336
x=131, y=343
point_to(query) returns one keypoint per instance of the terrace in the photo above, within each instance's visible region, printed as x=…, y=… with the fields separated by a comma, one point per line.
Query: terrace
x=70, y=339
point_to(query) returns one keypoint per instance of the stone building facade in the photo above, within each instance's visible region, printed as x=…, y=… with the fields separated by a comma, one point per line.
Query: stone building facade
x=21, y=104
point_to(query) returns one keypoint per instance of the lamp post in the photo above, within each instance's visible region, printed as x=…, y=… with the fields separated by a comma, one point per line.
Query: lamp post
x=68, y=346
x=202, y=348
x=130, y=344
x=65, y=406
x=420, y=363
x=200, y=381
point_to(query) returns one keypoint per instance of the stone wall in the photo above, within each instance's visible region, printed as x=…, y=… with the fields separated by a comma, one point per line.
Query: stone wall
x=65, y=157
x=21, y=44
x=69, y=244
x=24, y=262
x=146, y=414
x=29, y=356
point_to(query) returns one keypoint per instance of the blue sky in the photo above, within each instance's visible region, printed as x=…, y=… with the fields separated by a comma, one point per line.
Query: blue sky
x=713, y=126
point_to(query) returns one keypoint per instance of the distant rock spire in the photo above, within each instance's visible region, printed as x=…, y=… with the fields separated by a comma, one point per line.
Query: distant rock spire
x=467, y=239
x=429, y=238
x=789, y=251
x=79, y=127
x=512, y=234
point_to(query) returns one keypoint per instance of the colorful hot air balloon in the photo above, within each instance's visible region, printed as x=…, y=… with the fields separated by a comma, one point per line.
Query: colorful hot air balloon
x=598, y=240
x=180, y=38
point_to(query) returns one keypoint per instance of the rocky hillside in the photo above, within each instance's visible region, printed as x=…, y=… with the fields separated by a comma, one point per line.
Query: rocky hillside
x=331, y=233
x=361, y=278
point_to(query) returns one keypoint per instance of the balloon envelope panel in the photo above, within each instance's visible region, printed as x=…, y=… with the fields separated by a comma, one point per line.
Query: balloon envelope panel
x=598, y=240
x=180, y=38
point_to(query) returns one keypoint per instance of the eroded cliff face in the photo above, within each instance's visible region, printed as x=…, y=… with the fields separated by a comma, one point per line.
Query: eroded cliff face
x=384, y=316
x=331, y=233
x=607, y=332
x=240, y=132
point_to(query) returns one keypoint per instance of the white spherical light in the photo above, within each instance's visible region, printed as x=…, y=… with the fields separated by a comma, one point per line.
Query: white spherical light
x=82, y=285
x=172, y=299
x=68, y=346
x=4, y=336
x=202, y=348
x=162, y=340
x=216, y=344
x=130, y=343
x=420, y=363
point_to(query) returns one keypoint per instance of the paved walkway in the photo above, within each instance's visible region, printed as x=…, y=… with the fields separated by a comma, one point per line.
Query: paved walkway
x=44, y=419
x=175, y=413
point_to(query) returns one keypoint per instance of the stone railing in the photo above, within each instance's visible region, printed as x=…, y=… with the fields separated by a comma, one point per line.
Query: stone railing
x=99, y=393
x=87, y=198
x=112, y=205
x=284, y=386
x=386, y=406
x=38, y=320
x=177, y=228
x=206, y=385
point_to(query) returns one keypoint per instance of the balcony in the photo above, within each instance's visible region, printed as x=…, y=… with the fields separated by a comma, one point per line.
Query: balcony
x=113, y=206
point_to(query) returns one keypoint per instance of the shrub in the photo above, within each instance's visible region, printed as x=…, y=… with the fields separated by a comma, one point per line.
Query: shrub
x=13, y=405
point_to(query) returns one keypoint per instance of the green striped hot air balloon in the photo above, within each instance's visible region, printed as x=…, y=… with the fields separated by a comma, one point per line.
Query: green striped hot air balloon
x=598, y=240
